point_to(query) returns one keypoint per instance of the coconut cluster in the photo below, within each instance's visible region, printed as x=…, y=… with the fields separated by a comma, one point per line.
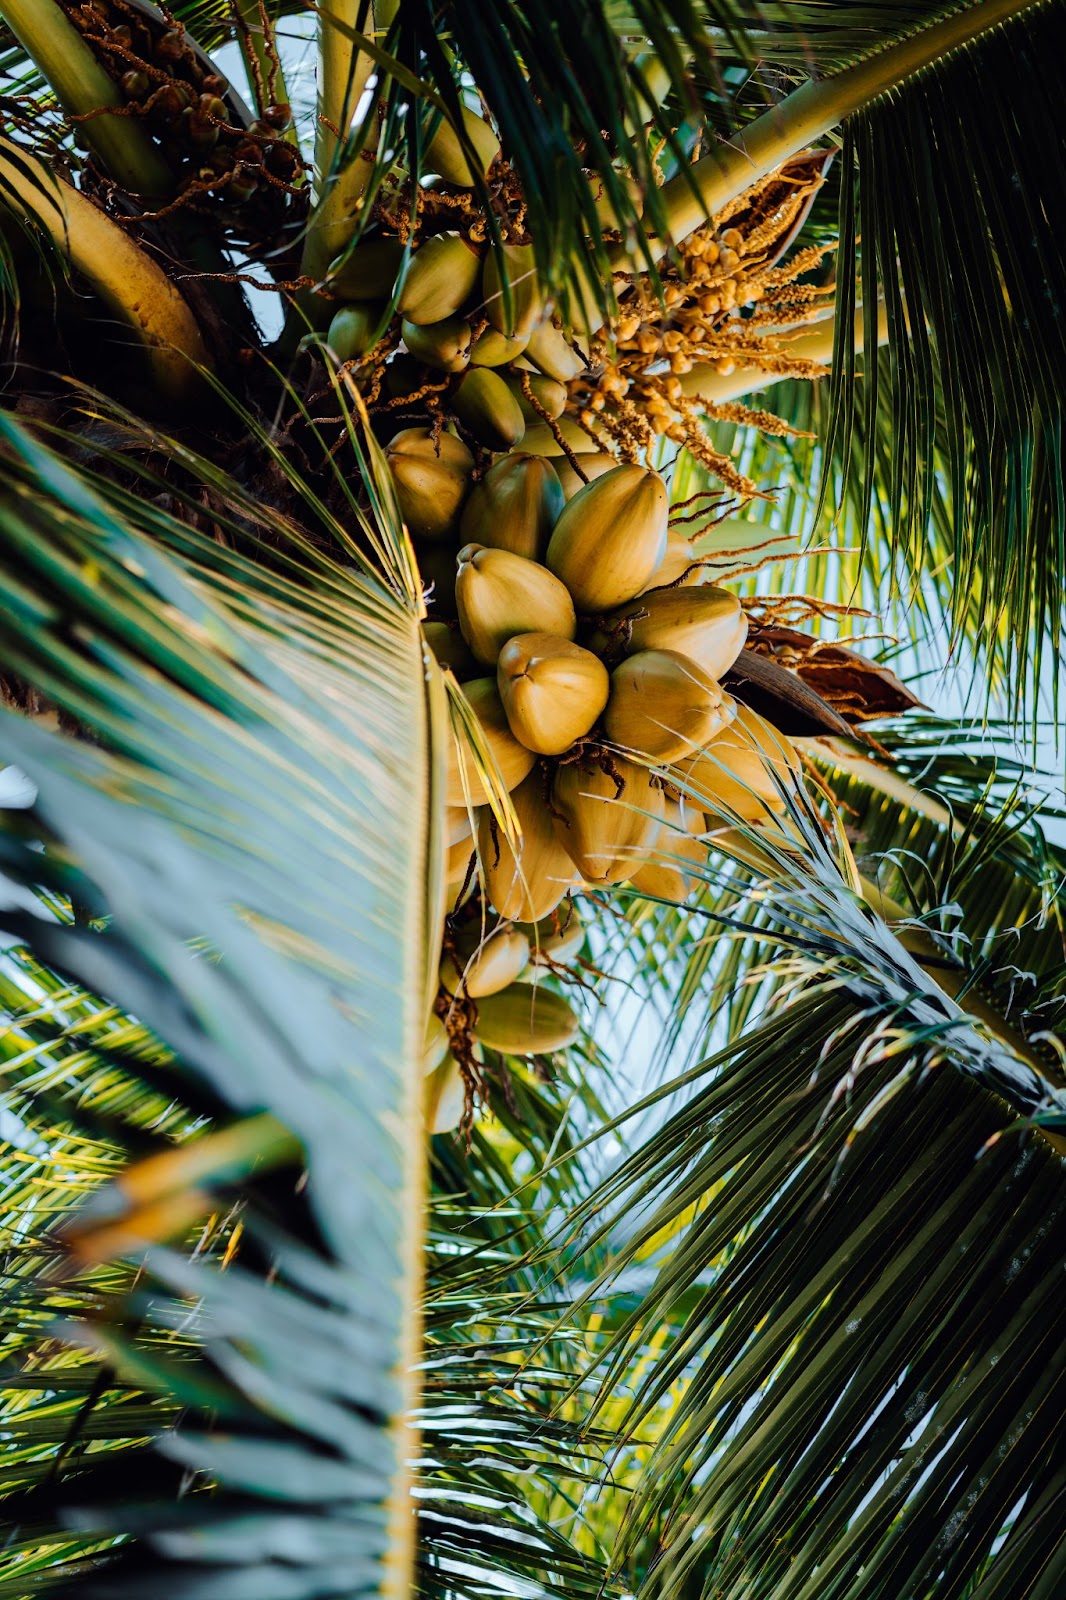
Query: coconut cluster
x=484, y=353
x=594, y=684
x=592, y=662
x=590, y=649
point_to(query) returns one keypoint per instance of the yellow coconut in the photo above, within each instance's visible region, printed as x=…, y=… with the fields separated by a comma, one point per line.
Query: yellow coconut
x=514, y=507
x=663, y=705
x=545, y=398
x=445, y=1096
x=436, y=1045
x=743, y=770
x=495, y=349
x=512, y=759
x=445, y=155
x=458, y=824
x=551, y=351
x=611, y=538
x=557, y=937
x=705, y=624
x=553, y=691
x=526, y=302
x=607, y=834
x=432, y=477
x=594, y=464
x=351, y=330
x=529, y=886
x=541, y=440
x=457, y=865
x=444, y=345
x=526, y=1019
x=492, y=966
x=679, y=565
x=668, y=873
x=500, y=594
x=441, y=275
x=484, y=404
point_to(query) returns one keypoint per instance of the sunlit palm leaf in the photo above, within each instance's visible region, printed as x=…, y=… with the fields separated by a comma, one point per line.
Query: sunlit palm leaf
x=248, y=793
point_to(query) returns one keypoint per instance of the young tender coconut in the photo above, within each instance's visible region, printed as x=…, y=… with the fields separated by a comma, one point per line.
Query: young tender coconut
x=611, y=538
x=663, y=705
x=513, y=759
x=747, y=769
x=607, y=831
x=527, y=886
x=499, y=594
x=553, y=691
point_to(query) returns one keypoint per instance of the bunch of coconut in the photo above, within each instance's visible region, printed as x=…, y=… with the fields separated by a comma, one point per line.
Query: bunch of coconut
x=497, y=386
x=597, y=691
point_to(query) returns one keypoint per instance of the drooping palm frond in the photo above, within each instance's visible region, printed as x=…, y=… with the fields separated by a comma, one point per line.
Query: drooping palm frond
x=86, y=1091
x=899, y=569
x=239, y=827
x=839, y=1379
x=958, y=221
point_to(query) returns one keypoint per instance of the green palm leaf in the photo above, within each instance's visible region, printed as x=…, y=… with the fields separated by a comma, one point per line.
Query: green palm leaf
x=852, y=1297
x=245, y=792
x=957, y=221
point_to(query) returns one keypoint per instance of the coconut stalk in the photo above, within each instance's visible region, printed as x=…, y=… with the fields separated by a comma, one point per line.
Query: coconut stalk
x=81, y=85
x=128, y=280
x=816, y=344
x=807, y=115
x=343, y=73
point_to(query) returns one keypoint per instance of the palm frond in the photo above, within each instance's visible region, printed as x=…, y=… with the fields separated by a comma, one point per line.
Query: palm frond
x=957, y=221
x=242, y=842
x=846, y=1384
x=875, y=557
x=497, y=1442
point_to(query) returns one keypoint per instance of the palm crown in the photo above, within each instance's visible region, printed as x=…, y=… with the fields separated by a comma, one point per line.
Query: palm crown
x=303, y=1299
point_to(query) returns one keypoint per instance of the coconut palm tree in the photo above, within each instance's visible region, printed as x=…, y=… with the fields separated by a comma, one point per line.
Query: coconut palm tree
x=778, y=1315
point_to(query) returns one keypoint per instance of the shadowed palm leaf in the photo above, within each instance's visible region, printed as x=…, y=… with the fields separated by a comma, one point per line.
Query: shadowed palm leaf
x=852, y=1302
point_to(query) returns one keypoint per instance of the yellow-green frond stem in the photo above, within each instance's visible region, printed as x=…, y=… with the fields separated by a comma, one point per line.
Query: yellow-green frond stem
x=128, y=280
x=82, y=85
x=812, y=111
x=344, y=71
